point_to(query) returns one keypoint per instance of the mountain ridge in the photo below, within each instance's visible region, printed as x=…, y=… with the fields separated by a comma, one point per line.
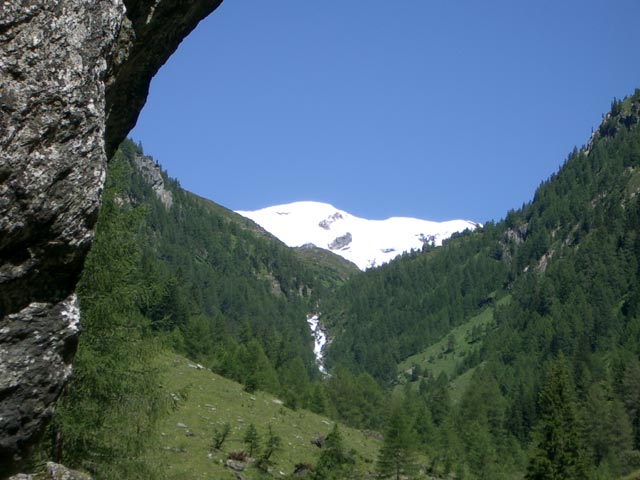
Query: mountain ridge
x=366, y=243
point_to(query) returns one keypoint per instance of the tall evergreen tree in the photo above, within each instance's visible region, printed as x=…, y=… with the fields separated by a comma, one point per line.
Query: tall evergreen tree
x=272, y=444
x=608, y=430
x=396, y=458
x=109, y=410
x=559, y=452
x=334, y=463
x=251, y=439
x=631, y=397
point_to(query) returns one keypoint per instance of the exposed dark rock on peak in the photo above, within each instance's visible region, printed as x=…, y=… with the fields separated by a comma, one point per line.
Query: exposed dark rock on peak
x=74, y=75
x=326, y=223
x=341, y=242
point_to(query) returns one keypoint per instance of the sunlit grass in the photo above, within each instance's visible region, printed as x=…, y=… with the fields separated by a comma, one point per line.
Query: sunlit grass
x=206, y=401
x=439, y=358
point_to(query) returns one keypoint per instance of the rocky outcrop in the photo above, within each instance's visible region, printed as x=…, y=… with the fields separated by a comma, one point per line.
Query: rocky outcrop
x=152, y=173
x=53, y=471
x=341, y=242
x=327, y=222
x=74, y=75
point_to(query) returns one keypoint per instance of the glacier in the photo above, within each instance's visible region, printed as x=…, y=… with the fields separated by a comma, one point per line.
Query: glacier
x=367, y=243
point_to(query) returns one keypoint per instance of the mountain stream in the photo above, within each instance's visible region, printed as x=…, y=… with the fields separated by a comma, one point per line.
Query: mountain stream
x=319, y=340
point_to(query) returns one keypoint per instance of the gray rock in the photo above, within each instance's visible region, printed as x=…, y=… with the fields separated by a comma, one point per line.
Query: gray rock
x=151, y=172
x=33, y=341
x=234, y=465
x=302, y=470
x=342, y=242
x=53, y=471
x=318, y=441
x=327, y=222
x=74, y=75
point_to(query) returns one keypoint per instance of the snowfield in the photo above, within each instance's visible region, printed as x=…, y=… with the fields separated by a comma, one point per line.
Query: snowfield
x=367, y=243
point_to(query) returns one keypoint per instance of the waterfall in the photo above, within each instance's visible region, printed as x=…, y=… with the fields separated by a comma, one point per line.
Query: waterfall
x=319, y=340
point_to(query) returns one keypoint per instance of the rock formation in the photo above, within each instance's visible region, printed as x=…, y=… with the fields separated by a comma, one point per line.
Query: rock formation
x=53, y=471
x=74, y=75
x=341, y=242
x=152, y=173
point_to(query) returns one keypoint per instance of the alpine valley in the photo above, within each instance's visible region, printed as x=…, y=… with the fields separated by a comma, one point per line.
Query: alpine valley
x=507, y=350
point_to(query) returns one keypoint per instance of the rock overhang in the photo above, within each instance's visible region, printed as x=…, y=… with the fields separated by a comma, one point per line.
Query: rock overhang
x=74, y=75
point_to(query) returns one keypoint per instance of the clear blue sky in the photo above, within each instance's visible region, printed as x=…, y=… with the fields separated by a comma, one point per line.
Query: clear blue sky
x=437, y=109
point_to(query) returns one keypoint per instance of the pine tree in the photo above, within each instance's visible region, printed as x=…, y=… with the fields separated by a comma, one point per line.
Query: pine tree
x=258, y=372
x=111, y=405
x=318, y=399
x=294, y=378
x=631, y=397
x=220, y=434
x=251, y=439
x=608, y=430
x=396, y=457
x=271, y=446
x=559, y=452
x=334, y=463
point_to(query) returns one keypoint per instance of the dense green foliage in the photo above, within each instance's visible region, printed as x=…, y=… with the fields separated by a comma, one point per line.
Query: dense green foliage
x=394, y=311
x=104, y=421
x=194, y=277
x=536, y=319
x=223, y=291
x=396, y=458
x=570, y=263
x=230, y=298
x=334, y=462
x=559, y=452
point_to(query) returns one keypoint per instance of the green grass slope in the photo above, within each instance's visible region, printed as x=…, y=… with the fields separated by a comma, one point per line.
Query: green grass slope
x=205, y=401
x=446, y=355
x=451, y=354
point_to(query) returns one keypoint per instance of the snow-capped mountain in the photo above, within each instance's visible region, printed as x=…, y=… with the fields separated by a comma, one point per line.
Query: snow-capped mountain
x=367, y=243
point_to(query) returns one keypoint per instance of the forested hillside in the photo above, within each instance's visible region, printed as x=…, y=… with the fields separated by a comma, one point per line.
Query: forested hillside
x=510, y=352
x=392, y=312
x=550, y=383
x=170, y=270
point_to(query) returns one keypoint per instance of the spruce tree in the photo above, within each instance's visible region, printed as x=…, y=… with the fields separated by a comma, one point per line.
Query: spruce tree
x=106, y=418
x=631, y=397
x=334, y=463
x=559, y=452
x=271, y=446
x=396, y=458
x=251, y=439
x=220, y=434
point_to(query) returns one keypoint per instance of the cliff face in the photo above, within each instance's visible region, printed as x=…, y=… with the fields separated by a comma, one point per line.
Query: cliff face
x=74, y=75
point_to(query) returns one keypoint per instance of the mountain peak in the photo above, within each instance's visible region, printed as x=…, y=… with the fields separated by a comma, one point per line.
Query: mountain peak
x=367, y=243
